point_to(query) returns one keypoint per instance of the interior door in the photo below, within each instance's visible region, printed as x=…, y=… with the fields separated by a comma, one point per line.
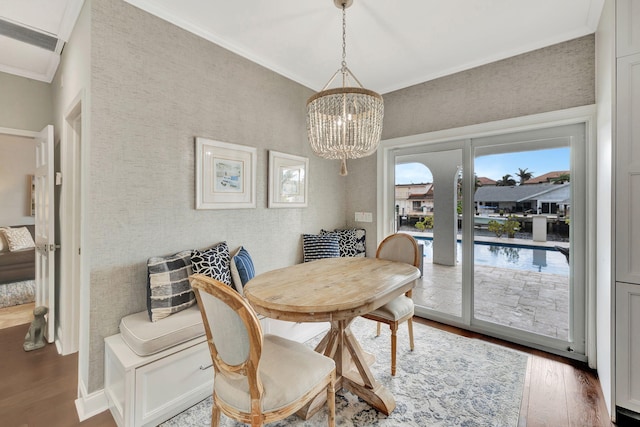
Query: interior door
x=45, y=238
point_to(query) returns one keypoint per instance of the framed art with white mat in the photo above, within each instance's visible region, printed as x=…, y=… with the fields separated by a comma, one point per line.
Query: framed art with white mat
x=288, y=182
x=225, y=175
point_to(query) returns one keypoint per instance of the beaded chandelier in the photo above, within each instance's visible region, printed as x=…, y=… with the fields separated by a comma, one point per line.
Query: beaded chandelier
x=345, y=122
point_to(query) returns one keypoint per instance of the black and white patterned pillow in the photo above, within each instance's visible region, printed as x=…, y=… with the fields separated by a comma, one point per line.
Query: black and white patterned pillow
x=213, y=262
x=320, y=246
x=352, y=241
x=168, y=289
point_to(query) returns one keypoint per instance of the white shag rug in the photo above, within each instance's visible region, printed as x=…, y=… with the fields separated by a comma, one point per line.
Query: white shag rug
x=447, y=381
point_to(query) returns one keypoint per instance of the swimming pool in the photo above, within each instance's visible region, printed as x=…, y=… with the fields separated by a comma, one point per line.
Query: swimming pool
x=529, y=258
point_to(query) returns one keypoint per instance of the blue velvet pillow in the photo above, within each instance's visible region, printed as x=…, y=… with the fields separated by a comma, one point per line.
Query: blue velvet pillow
x=320, y=246
x=242, y=269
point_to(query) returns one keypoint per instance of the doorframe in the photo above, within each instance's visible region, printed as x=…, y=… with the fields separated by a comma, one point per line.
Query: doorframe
x=584, y=114
x=70, y=216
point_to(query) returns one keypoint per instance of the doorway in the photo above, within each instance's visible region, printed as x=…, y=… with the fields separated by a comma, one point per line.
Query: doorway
x=17, y=268
x=483, y=298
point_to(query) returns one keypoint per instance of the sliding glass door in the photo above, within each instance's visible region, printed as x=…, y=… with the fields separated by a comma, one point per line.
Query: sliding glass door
x=502, y=223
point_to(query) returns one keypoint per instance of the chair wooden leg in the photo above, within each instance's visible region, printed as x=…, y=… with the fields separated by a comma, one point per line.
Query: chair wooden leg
x=215, y=416
x=331, y=400
x=410, y=324
x=394, y=339
x=378, y=331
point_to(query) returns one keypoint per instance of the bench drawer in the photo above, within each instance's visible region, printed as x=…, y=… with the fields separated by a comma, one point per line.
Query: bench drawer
x=165, y=387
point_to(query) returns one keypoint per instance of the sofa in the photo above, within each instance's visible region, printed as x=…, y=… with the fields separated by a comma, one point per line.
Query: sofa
x=18, y=265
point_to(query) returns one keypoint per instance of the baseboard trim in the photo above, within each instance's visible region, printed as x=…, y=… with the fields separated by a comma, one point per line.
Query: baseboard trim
x=89, y=405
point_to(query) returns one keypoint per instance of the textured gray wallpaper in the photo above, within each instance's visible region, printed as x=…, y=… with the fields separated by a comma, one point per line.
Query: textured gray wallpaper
x=154, y=87
x=554, y=78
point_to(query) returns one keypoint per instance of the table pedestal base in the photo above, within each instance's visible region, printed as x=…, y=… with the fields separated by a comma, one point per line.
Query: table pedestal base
x=352, y=371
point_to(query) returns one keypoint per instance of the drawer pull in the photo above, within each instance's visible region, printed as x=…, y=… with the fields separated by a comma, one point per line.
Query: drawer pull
x=204, y=368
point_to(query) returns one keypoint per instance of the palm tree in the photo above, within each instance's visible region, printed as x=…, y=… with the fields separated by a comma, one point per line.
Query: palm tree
x=506, y=181
x=561, y=179
x=524, y=175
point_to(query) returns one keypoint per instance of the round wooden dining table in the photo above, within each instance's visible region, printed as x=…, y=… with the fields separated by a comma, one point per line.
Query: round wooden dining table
x=335, y=290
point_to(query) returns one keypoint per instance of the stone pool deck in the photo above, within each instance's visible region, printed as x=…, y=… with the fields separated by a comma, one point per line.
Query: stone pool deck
x=526, y=300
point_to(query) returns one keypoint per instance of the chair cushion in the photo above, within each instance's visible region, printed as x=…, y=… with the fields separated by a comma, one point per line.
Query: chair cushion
x=288, y=370
x=145, y=337
x=395, y=309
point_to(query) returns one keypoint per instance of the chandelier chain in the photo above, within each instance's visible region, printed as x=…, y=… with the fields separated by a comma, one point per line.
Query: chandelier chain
x=344, y=38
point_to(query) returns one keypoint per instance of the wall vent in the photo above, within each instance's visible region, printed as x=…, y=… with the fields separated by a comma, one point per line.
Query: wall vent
x=28, y=35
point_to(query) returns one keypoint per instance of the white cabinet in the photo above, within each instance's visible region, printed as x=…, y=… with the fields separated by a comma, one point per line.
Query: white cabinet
x=628, y=346
x=628, y=170
x=627, y=208
x=144, y=391
x=628, y=27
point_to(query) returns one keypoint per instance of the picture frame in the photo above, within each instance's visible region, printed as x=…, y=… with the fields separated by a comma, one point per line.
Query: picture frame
x=225, y=175
x=288, y=180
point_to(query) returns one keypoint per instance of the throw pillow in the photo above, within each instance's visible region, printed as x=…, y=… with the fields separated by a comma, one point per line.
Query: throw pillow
x=242, y=269
x=213, y=262
x=4, y=246
x=168, y=289
x=320, y=246
x=351, y=240
x=18, y=238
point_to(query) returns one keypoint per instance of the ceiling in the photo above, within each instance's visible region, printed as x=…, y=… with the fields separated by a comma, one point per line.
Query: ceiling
x=390, y=44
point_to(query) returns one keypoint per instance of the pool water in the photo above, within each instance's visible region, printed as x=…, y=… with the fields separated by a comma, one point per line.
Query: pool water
x=544, y=260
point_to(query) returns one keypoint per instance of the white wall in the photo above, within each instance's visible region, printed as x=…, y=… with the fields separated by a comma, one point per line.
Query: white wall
x=25, y=104
x=605, y=87
x=17, y=164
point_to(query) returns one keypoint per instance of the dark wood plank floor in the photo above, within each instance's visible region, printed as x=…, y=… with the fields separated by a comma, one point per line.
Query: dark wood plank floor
x=38, y=388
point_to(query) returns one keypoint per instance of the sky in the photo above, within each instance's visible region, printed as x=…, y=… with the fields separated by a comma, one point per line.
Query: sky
x=496, y=166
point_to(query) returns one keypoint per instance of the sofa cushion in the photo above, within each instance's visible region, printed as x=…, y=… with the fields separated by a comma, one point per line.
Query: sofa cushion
x=18, y=238
x=168, y=288
x=213, y=262
x=242, y=269
x=145, y=338
x=320, y=246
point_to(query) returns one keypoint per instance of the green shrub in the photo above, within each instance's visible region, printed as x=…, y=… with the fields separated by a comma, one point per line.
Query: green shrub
x=426, y=223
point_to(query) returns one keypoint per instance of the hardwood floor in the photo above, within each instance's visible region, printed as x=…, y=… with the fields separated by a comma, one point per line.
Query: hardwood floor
x=16, y=315
x=38, y=388
x=558, y=392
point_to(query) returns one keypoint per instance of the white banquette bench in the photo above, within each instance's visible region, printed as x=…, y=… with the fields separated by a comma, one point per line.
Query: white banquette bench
x=155, y=370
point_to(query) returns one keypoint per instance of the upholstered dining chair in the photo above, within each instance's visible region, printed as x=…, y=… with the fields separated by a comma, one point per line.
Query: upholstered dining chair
x=258, y=379
x=403, y=248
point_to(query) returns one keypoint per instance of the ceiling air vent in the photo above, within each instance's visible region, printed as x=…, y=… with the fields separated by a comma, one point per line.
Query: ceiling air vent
x=28, y=35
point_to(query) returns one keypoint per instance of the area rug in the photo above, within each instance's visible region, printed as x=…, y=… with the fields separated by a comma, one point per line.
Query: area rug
x=447, y=381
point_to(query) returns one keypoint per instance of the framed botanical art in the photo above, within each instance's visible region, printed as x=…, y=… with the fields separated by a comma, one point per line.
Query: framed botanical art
x=225, y=175
x=288, y=180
